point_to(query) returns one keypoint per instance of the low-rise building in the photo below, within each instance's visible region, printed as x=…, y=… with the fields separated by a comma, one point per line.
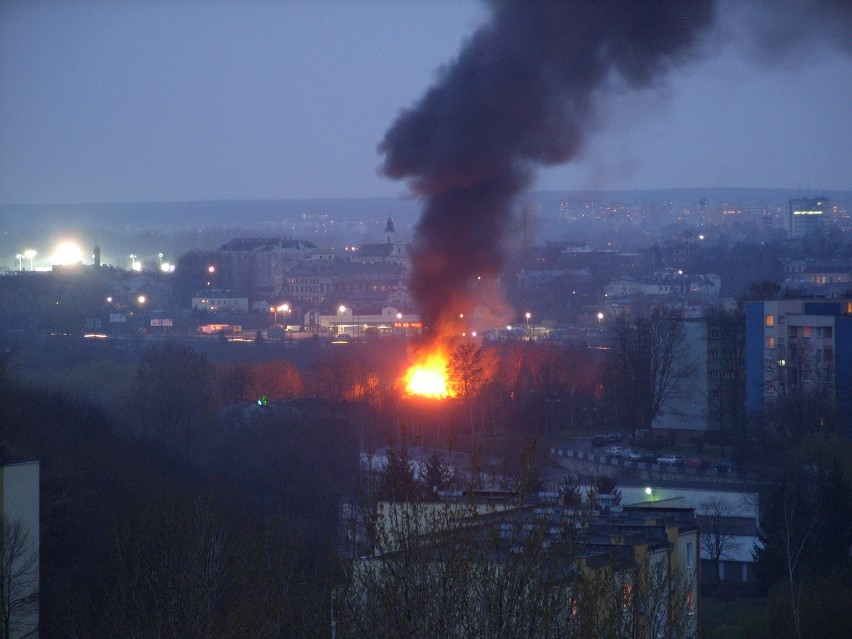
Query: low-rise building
x=478, y=564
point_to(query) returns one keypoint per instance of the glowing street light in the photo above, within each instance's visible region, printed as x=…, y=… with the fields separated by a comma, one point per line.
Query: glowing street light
x=600, y=317
x=20, y=259
x=284, y=308
x=141, y=300
x=132, y=260
x=30, y=254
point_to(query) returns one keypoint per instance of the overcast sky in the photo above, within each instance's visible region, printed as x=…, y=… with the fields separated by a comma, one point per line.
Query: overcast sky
x=161, y=101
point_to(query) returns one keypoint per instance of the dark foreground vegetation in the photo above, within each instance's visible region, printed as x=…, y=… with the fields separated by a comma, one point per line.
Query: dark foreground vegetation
x=173, y=504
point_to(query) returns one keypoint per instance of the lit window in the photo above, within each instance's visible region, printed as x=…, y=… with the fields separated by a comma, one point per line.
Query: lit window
x=770, y=342
x=806, y=331
x=626, y=595
x=770, y=320
x=690, y=602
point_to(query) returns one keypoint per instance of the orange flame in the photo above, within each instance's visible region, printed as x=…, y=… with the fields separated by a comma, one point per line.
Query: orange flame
x=428, y=376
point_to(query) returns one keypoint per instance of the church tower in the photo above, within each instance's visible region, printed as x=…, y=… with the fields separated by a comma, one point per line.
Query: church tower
x=390, y=235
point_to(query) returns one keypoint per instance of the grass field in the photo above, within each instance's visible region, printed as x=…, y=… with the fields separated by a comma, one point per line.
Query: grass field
x=721, y=618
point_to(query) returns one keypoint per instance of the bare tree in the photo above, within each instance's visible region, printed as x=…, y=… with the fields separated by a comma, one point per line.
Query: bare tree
x=717, y=529
x=173, y=392
x=645, y=366
x=800, y=399
x=19, y=573
x=470, y=368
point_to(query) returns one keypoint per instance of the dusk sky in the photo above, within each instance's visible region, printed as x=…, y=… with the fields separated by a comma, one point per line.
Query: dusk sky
x=164, y=101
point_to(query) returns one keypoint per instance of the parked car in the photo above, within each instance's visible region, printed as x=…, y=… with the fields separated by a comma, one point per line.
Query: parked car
x=632, y=455
x=641, y=435
x=608, y=438
x=670, y=460
x=697, y=462
x=616, y=451
x=726, y=467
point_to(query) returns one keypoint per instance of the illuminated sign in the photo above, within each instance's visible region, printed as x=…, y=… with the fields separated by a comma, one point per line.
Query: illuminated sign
x=807, y=212
x=408, y=325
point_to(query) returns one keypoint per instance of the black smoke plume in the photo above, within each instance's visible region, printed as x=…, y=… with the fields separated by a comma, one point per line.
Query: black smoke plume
x=520, y=94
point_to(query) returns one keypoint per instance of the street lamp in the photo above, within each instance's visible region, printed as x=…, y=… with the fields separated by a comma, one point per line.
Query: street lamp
x=132, y=261
x=20, y=259
x=30, y=254
x=600, y=317
x=284, y=308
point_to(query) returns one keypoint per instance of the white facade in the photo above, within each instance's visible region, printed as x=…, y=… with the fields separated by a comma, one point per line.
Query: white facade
x=686, y=408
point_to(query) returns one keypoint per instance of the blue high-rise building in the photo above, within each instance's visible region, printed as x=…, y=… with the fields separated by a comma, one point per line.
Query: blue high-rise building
x=812, y=335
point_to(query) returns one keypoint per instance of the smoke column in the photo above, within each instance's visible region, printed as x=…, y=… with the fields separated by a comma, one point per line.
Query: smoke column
x=520, y=94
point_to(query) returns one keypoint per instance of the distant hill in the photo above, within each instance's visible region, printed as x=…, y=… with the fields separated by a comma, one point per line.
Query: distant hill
x=257, y=214
x=135, y=216
x=713, y=196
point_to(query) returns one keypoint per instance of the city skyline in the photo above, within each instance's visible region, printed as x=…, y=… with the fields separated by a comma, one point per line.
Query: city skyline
x=155, y=102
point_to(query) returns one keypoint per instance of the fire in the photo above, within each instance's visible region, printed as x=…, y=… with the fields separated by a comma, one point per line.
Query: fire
x=428, y=377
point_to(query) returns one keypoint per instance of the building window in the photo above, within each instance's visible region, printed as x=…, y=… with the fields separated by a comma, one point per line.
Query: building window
x=770, y=320
x=690, y=602
x=806, y=331
x=689, y=547
x=770, y=342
